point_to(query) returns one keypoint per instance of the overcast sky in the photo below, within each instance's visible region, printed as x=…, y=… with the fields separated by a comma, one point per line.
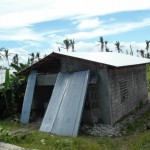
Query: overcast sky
x=38, y=25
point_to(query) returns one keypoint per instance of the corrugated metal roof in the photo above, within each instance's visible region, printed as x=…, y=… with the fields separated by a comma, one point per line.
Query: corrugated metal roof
x=108, y=58
x=64, y=110
x=28, y=97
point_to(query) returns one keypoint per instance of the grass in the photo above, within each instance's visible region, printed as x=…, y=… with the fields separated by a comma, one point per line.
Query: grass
x=137, y=138
x=148, y=76
x=148, y=72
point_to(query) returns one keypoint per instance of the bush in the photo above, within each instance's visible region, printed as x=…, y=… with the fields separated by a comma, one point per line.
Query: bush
x=5, y=135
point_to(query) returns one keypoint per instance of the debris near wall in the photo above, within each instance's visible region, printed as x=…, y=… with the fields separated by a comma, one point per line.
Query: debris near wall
x=103, y=130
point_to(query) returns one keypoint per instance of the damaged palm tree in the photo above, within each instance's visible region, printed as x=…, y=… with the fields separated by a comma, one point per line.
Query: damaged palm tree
x=106, y=48
x=72, y=43
x=66, y=44
x=103, y=44
x=15, y=60
x=5, y=55
x=141, y=52
x=147, y=48
x=147, y=45
x=118, y=47
x=131, y=53
x=37, y=56
x=31, y=60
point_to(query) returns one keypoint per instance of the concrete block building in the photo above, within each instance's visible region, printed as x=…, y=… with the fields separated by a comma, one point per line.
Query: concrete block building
x=68, y=89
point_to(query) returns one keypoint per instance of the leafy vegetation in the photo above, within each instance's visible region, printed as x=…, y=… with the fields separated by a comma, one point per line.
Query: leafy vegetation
x=5, y=135
x=148, y=76
x=12, y=90
x=136, y=138
x=12, y=94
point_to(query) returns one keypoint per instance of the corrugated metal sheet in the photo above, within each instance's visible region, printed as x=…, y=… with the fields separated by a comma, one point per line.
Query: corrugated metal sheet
x=28, y=98
x=108, y=58
x=65, y=107
x=55, y=102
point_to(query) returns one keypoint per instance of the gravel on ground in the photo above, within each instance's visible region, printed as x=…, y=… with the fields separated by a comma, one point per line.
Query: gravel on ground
x=103, y=130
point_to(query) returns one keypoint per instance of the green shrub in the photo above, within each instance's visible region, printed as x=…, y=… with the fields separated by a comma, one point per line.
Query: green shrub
x=5, y=135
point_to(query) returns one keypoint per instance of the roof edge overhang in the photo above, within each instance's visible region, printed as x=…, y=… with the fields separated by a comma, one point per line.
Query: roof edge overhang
x=33, y=66
x=55, y=54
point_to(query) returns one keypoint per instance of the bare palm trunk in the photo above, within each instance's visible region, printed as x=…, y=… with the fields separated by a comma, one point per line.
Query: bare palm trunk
x=131, y=50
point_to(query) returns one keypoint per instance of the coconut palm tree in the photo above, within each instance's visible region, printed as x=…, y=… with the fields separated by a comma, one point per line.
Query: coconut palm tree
x=6, y=55
x=37, y=56
x=147, y=48
x=66, y=43
x=31, y=60
x=141, y=52
x=131, y=53
x=118, y=47
x=15, y=59
x=72, y=43
x=147, y=45
x=101, y=43
x=106, y=48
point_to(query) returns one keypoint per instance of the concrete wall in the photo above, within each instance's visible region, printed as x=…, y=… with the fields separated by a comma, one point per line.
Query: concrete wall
x=92, y=111
x=137, y=90
x=71, y=64
x=102, y=113
x=105, y=99
x=46, y=80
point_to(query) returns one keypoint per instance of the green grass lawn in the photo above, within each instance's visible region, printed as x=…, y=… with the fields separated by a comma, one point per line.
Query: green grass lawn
x=137, y=138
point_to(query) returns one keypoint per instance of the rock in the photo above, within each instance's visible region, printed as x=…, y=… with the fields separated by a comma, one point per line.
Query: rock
x=20, y=133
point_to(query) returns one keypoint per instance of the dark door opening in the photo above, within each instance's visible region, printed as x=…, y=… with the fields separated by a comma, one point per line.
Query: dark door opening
x=41, y=99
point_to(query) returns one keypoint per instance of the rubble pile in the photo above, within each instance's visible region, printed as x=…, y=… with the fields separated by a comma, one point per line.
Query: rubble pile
x=118, y=129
